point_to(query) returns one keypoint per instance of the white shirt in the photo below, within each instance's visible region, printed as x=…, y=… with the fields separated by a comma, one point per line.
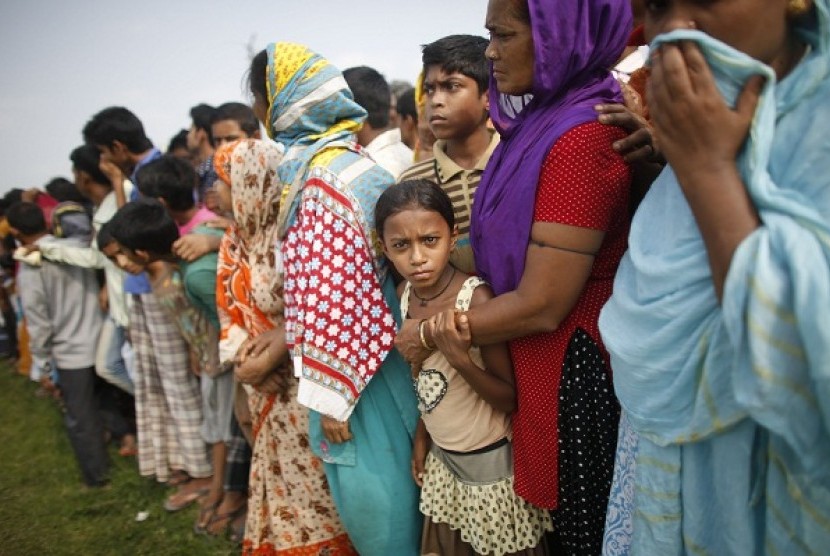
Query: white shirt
x=388, y=151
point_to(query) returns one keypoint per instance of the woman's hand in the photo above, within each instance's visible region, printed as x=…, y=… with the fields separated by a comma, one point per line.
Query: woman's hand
x=335, y=431
x=275, y=383
x=640, y=145
x=258, y=357
x=219, y=223
x=190, y=247
x=450, y=331
x=697, y=131
x=409, y=345
x=701, y=137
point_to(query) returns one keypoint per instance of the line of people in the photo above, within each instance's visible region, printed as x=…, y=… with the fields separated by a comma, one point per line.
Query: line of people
x=350, y=353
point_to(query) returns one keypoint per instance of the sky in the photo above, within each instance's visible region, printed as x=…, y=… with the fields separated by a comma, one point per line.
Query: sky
x=62, y=62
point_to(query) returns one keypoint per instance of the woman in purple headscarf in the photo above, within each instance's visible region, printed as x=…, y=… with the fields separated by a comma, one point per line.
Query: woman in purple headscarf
x=549, y=227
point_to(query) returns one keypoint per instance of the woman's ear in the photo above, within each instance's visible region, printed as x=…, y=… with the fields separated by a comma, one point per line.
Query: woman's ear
x=454, y=237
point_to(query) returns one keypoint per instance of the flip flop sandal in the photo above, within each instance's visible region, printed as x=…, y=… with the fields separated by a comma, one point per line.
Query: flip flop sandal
x=205, y=517
x=237, y=528
x=220, y=524
x=186, y=500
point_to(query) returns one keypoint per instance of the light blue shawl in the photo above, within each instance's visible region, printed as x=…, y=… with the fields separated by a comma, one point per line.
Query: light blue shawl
x=732, y=402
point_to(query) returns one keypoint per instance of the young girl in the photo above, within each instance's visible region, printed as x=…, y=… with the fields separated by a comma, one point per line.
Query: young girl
x=462, y=458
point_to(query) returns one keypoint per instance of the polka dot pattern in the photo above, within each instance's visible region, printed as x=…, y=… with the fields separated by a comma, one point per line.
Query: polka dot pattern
x=489, y=517
x=588, y=419
x=583, y=183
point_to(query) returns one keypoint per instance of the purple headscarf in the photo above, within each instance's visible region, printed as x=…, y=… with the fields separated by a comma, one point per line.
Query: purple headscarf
x=575, y=44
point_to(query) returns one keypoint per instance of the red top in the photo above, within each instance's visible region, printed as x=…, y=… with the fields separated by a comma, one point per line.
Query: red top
x=583, y=183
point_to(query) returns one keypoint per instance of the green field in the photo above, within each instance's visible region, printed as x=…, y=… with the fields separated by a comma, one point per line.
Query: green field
x=45, y=508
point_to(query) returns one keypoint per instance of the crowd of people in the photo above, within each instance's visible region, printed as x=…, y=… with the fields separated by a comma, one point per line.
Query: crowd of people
x=550, y=300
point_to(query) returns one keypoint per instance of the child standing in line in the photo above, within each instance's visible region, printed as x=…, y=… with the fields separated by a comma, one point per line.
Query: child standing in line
x=462, y=458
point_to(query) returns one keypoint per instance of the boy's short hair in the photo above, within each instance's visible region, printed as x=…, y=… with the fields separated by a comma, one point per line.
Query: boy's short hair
x=27, y=218
x=86, y=158
x=178, y=141
x=406, y=104
x=240, y=113
x=117, y=124
x=462, y=54
x=104, y=235
x=371, y=91
x=169, y=178
x=63, y=190
x=144, y=225
x=202, y=116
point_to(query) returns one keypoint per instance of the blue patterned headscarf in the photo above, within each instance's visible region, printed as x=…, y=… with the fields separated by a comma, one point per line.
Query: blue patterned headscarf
x=732, y=401
x=310, y=107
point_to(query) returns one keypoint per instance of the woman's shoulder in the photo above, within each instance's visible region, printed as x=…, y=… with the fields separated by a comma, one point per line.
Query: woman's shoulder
x=590, y=137
x=586, y=150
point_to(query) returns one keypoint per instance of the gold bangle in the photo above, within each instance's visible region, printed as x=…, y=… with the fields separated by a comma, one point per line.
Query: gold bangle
x=423, y=336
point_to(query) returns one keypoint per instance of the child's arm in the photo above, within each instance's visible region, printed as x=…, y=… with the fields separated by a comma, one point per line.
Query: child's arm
x=420, y=449
x=494, y=383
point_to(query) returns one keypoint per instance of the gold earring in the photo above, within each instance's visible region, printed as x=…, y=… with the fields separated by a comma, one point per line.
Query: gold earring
x=798, y=7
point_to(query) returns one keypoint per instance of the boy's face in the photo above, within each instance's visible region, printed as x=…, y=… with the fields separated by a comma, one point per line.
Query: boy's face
x=118, y=154
x=409, y=130
x=125, y=259
x=82, y=182
x=455, y=108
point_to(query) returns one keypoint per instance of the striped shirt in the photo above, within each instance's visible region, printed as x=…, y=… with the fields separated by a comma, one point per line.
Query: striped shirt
x=460, y=185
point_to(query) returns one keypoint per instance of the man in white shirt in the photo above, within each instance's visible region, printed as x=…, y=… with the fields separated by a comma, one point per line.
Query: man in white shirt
x=380, y=139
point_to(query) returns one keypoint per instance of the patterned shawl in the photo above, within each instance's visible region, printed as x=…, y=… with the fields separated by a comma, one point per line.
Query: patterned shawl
x=732, y=401
x=248, y=285
x=338, y=316
x=575, y=43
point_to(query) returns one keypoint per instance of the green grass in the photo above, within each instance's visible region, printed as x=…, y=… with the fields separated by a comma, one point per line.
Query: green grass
x=45, y=508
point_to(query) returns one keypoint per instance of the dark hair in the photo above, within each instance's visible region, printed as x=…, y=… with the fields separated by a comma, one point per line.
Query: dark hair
x=406, y=105
x=202, y=115
x=240, y=113
x=462, y=54
x=63, y=190
x=27, y=218
x=117, y=124
x=171, y=179
x=179, y=141
x=104, y=235
x=13, y=196
x=86, y=158
x=144, y=225
x=256, y=75
x=413, y=194
x=371, y=91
